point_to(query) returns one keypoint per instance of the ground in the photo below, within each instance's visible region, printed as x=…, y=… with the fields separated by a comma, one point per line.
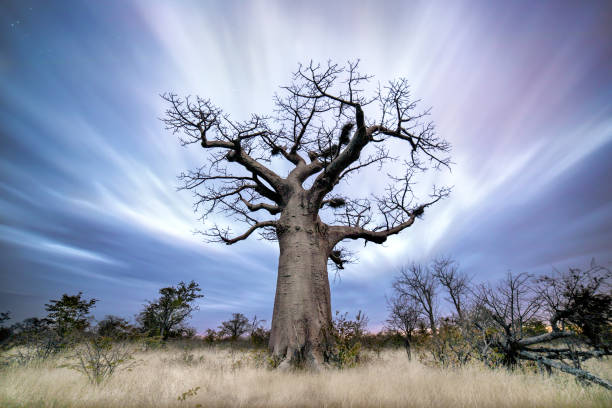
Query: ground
x=241, y=379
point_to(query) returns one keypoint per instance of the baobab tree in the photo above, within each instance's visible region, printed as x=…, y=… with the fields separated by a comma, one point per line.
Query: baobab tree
x=290, y=165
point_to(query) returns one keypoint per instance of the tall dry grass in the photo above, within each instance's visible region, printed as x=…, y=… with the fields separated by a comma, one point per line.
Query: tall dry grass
x=233, y=379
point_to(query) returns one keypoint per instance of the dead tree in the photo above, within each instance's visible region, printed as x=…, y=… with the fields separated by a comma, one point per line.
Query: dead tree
x=454, y=282
x=509, y=305
x=580, y=302
x=419, y=283
x=578, y=305
x=581, y=299
x=320, y=132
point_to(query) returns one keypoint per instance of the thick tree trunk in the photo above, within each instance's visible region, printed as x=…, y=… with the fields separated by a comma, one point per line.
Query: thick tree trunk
x=302, y=306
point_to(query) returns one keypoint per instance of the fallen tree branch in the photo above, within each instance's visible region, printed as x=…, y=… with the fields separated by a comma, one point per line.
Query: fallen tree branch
x=545, y=337
x=566, y=368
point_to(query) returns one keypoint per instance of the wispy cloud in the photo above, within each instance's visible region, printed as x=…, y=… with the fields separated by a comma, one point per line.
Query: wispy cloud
x=88, y=174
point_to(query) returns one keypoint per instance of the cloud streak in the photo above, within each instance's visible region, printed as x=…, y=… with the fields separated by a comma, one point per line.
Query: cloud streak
x=88, y=175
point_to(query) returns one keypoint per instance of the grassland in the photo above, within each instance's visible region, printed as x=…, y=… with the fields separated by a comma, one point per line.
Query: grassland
x=240, y=379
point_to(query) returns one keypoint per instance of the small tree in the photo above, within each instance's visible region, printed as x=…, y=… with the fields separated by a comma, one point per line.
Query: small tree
x=166, y=315
x=236, y=327
x=510, y=304
x=210, y=336
x=99, y=357
x=404, y=314
x=454, y=282
x=418, y=282
x=70, y=314
x=450, y=347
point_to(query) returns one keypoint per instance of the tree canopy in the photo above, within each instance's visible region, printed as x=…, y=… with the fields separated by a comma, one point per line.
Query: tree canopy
x=166, y=315
x=319, y=128
x=69, y=314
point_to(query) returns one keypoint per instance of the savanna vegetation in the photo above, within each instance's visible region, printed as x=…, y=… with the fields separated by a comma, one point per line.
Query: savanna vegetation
x=522, y=341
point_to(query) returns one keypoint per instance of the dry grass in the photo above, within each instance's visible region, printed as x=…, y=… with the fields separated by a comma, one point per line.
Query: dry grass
x=233, y=380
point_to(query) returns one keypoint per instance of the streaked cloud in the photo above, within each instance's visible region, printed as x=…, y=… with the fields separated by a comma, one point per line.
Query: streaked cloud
x=88, y=183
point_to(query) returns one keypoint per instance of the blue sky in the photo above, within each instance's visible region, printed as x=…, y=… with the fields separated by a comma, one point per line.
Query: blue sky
x=88, y=200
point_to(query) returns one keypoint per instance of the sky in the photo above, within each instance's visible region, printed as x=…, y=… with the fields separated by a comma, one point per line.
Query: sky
x=88, y=174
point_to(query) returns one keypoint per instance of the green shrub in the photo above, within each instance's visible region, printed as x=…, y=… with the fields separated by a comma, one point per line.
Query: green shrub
x=345, y=336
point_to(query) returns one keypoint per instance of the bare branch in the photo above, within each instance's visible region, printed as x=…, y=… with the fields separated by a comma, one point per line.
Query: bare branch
x=454, y=281
x=272, y=209
x=222, y=235
x=319, y=126
x=418, y=282
x=397, y=217
x=566, y=368
x=546, y=337
x=196, y=120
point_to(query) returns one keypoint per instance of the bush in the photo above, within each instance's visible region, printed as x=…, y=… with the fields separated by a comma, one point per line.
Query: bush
x=192, y=392
x=187, y=357
x=99, y=357
x=210, y=337
x=31, y=345
x=345, y=338
x=448, y=347
x=260, y=337
x=153, y=343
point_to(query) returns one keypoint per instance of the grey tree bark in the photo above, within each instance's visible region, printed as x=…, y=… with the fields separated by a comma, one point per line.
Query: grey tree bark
x=302, y=305
x=585, y=375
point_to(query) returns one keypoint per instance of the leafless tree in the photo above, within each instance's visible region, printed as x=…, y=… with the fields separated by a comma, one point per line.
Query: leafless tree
x=454, y=282
x=581, y=298
x=419, y=283
x=578, y=305
x=578, y=301
x=319, y=130
x=510, y=304
x=404, y=315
